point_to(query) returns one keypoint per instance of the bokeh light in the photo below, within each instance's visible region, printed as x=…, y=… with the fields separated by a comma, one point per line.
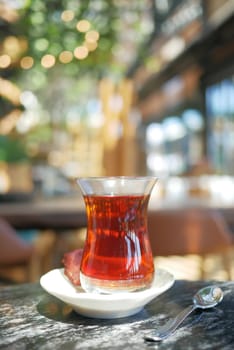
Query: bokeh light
x=67, y=15
x=92, y=36
x=83, y=26
x=91, y=46
x=5, y=61
x=48, y=61
x=26, y=62
x=41, y=44
x=65, y=57
x=81, y=52
x=11, y=46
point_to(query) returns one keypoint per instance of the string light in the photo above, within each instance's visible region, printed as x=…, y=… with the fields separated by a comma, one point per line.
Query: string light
x=92, y=36
x=65, y=57
x=5, y=61
x=81, y=52
x=26, y=62
x=67, y=15
x=83, y=26
x=91, y=46
x=48, y=61
x=12, y=44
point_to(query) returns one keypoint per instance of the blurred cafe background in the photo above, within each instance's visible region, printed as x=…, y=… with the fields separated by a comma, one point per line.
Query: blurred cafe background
x=107, y=88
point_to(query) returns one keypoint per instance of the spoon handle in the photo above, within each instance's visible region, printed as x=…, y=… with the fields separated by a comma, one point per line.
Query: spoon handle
x=164, y=331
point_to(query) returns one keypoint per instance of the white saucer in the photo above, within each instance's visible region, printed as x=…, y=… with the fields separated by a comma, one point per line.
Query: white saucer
x=104, y=305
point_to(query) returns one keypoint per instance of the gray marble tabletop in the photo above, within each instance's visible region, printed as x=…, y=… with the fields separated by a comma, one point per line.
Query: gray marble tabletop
x=32, y=319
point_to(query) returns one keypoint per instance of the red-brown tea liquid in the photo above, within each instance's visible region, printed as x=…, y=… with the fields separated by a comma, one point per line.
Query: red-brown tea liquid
x=117, y=247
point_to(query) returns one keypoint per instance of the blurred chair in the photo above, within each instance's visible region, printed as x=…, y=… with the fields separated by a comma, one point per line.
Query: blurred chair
x=190, y=231
x=21, y=261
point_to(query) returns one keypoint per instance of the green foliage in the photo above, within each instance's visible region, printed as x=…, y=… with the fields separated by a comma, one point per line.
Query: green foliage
x=12, y=150
x=46, y=33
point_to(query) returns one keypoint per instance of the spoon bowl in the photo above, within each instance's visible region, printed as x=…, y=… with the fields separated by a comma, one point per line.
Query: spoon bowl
x=205, y=298
x=208, y=297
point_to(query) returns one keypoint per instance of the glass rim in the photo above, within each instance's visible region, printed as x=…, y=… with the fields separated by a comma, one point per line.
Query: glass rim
x=116, y=185
x=128, y=177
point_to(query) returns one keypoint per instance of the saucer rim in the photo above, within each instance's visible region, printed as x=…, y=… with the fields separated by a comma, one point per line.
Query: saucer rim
x=106, y=306
x=82, y=294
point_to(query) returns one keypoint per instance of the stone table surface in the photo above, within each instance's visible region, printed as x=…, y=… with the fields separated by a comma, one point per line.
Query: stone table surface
x=32, y=319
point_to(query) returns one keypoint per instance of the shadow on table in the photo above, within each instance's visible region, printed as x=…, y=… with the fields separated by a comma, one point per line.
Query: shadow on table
x=157, y=312
x=57, y=310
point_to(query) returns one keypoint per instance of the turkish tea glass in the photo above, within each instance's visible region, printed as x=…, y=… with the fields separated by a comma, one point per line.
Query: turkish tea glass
x=117, y=255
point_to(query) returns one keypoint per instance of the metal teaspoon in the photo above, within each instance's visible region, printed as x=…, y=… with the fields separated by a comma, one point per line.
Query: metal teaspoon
x=205, y=298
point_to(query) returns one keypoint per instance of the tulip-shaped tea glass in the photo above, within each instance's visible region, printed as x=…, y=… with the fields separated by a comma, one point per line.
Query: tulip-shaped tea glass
x=117, y=254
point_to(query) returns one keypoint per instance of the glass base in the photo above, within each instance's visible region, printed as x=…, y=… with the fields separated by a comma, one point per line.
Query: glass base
x=94, y=285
